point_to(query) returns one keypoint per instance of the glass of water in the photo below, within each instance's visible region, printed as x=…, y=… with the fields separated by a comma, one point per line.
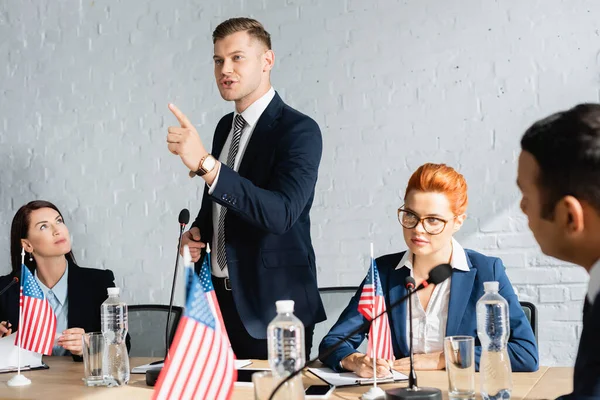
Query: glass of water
x=459, y=352
x=93, y=348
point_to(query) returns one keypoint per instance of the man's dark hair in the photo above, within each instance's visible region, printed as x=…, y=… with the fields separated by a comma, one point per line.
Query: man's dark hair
x=254, y=28
x=566, y=146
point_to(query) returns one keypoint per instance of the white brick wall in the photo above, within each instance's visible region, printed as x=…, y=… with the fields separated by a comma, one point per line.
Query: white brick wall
x=393, y=84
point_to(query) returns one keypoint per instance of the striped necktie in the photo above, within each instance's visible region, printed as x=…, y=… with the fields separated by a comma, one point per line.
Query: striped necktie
x=238, y=127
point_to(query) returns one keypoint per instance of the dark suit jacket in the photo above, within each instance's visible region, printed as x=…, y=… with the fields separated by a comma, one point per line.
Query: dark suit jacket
x=465, y=290
x=86, y=291
x=269, y=250
x=586, y=381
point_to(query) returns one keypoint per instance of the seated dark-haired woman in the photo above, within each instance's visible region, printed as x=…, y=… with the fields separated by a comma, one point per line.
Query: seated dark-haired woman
x=74, y=293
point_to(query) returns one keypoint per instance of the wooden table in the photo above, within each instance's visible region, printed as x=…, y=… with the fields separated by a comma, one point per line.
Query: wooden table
x=63, y=381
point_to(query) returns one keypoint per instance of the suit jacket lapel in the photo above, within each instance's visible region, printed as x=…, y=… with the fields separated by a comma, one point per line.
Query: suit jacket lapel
x=396, y=291
x=261, y=131
x=461, y=287
x=75, y=294
x=221, y=134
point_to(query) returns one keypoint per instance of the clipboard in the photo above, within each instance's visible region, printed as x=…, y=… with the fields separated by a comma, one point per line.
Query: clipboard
x=25, y=368
x=340, y=379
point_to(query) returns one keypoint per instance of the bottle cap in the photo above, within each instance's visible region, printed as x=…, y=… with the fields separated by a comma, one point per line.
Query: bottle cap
x=285, y=306
x=491, y=286
x=113, y=291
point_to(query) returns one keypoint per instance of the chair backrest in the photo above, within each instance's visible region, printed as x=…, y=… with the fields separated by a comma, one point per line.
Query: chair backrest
x=147, y=324
x=531, y=313
x=335, y=300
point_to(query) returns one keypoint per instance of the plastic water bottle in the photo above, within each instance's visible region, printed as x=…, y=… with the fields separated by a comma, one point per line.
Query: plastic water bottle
x=493, y=329
x=285, y=341
x=115, y=362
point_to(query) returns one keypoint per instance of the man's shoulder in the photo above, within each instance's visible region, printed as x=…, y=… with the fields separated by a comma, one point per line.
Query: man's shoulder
x=291, y=115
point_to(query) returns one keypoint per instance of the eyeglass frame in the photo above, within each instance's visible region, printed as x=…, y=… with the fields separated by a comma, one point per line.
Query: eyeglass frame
x=421, y=219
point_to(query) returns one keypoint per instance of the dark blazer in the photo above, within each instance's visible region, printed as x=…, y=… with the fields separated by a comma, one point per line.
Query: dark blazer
x=586, y=380
x=269, y=250
x=86, y=291
x=465, y=290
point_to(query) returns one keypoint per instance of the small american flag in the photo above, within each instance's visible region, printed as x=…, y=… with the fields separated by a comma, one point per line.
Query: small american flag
x=201, y=365
x=38, y=322
x=209, y=289
x=370, y=304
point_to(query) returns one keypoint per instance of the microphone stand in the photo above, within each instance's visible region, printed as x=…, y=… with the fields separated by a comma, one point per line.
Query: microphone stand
x=181, y=229
x=153, y=372
x=412, y=391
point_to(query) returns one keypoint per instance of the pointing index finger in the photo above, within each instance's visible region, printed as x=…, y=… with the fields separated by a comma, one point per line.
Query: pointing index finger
x=183, y=120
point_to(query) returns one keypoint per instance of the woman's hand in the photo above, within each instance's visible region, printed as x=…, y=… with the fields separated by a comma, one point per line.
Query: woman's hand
x=362, y=365
x=431, y=361
x=71, y=340
x=5, y=328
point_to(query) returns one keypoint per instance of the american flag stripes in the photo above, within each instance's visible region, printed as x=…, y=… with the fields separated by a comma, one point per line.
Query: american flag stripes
x=38, y=322
x=209, y=289
x=370, y=304
x=201, y=364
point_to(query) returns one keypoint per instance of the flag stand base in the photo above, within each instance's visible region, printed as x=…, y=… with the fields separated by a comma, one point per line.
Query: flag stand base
x=375, y=393
x=19, y=380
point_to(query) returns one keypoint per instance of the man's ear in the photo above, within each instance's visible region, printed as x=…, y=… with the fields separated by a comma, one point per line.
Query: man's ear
x=569, y=213
x=268, y=60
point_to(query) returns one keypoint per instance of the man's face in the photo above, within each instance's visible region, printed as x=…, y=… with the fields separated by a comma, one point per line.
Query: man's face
x=241, y=65
x=547, y=232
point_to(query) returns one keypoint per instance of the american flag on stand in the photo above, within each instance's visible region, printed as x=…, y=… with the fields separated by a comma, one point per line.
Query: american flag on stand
x=38, y=322
x=201, y=364
x=370, y=304
x=209, y=289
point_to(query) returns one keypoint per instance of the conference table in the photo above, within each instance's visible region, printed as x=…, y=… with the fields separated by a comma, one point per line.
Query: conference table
x=64, y=381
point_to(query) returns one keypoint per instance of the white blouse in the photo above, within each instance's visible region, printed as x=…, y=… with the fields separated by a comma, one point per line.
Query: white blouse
x=429, y=326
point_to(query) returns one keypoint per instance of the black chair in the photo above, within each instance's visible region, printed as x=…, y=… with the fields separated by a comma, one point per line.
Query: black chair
x=335, y=300
x=147, y=324
x=531, y=313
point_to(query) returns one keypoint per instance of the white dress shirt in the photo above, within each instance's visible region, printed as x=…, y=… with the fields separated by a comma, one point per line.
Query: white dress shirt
x=57, y=297
x=429, y=326
x=594, y=284
x=251, y=115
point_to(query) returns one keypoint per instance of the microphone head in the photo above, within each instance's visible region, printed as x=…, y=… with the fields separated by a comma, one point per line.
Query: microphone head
x=439, y=274
x=409, y=282
x=184, y=216
x=16, y=279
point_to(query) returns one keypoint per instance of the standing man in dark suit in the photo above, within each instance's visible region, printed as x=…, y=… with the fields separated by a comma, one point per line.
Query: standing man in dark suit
x=559, y=176
x=260, y=184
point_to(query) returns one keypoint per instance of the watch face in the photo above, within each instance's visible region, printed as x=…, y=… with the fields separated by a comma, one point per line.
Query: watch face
x=209, y=163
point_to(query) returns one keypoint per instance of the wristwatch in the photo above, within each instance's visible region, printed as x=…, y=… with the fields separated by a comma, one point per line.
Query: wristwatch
x=207, y=164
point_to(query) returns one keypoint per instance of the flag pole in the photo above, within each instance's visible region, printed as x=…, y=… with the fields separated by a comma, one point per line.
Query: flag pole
x=374, y=393
x=374, y=338
x=20, y=380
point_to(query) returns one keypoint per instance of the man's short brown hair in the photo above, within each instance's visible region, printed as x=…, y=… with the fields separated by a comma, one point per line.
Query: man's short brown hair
x=254, y=28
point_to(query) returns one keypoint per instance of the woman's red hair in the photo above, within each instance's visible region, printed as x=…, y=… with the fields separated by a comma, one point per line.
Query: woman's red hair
x=440, y=178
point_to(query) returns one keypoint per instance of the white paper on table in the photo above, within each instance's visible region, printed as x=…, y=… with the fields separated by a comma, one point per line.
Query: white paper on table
x=350, y=378
x=143, y=368
x=10, y=356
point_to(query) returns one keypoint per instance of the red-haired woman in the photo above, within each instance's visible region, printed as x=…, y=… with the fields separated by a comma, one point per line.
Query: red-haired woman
x=434, y=209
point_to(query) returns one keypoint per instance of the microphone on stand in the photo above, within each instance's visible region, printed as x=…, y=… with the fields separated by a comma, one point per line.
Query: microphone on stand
x=436, y=276
x=410, y=285
x=152, y=373
x=184, y=218
x=14, y=280
x=412, y=391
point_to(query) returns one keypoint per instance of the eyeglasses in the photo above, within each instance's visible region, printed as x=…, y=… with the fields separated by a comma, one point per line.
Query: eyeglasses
x=410, y=220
